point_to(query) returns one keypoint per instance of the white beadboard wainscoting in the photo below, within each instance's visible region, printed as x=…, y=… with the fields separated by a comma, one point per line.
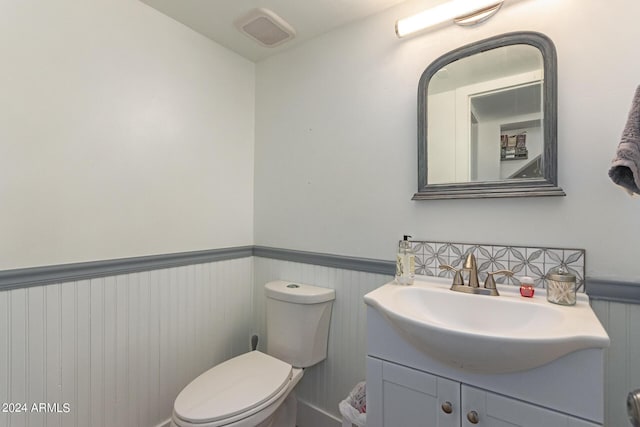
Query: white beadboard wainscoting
x=324, y=385
x=327, y=383
x=622, y=360
x=119, y=349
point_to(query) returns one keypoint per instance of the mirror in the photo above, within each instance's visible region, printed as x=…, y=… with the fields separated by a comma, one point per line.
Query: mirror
x=487, y=123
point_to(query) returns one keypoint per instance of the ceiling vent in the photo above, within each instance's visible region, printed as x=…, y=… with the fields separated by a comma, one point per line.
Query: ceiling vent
x=265, y=27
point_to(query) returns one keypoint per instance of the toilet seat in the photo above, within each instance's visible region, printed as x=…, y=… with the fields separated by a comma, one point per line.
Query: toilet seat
x=233, y=390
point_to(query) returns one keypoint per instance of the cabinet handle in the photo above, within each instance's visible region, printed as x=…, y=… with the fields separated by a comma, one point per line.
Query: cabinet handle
x=447, y=407
x=472, y=416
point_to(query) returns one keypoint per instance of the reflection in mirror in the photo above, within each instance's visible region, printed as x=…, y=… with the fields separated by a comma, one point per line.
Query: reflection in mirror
x=494, y=128
x=487, y=125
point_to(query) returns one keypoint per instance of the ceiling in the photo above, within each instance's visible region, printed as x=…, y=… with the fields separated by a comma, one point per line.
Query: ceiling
x=488, y=65
x=310, y=18
x=517, y=101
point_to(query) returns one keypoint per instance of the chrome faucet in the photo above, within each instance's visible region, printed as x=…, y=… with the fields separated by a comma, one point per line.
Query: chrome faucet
x=473, y=287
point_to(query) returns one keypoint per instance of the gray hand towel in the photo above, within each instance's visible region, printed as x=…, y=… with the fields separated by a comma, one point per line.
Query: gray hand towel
x=625, y=169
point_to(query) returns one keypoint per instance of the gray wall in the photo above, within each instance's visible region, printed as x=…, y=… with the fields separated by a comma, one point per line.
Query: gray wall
x=336, y=139
x=123, y=133
x=336, y=149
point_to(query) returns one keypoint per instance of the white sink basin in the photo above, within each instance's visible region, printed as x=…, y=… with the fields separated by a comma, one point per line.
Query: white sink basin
x=487, y=334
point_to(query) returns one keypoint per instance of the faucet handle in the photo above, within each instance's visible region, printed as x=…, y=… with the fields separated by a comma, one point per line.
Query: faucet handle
x=490, y=283
x=457, y=279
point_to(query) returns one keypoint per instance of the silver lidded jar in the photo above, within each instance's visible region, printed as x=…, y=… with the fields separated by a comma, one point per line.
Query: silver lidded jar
x=561, y=286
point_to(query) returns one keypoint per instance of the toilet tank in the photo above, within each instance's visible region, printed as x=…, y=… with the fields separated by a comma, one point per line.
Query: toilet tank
x=298, y=318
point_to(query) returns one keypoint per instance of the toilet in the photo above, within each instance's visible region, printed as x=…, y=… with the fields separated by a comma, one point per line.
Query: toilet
x=255, y=389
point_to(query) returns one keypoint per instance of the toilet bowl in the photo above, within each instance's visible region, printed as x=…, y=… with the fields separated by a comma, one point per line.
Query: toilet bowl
x=242, y=392
x=256, y=389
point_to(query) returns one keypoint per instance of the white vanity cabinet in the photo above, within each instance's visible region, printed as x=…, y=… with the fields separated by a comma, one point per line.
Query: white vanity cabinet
x=407, y=388
x=411, y=398
x=494, y=410
x=400, y=396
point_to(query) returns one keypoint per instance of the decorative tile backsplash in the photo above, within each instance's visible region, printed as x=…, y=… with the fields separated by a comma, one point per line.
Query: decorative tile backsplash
x=534, y=262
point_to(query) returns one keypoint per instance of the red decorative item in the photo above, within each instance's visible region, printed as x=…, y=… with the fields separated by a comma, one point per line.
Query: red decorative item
x=526, y=291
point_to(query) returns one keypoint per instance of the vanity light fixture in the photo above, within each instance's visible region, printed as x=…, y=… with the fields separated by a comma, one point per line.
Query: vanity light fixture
x=461, y=12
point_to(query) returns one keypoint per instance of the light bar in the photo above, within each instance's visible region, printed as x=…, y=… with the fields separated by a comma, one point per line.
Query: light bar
x=463, y=12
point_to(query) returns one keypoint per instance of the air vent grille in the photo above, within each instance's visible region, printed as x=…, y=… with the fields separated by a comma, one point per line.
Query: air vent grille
x=265, y=27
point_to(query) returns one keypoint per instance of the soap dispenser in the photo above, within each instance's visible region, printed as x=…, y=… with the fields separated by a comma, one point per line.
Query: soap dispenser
x=405, y=263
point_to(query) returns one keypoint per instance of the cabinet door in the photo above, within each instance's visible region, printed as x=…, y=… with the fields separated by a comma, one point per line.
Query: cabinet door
x=481, y=408
x=412, y=398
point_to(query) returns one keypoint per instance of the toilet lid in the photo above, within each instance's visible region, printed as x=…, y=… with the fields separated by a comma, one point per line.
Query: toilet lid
x=233, y=387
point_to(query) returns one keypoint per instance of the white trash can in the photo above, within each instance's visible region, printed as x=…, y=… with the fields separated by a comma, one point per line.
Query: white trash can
x=354, y=408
